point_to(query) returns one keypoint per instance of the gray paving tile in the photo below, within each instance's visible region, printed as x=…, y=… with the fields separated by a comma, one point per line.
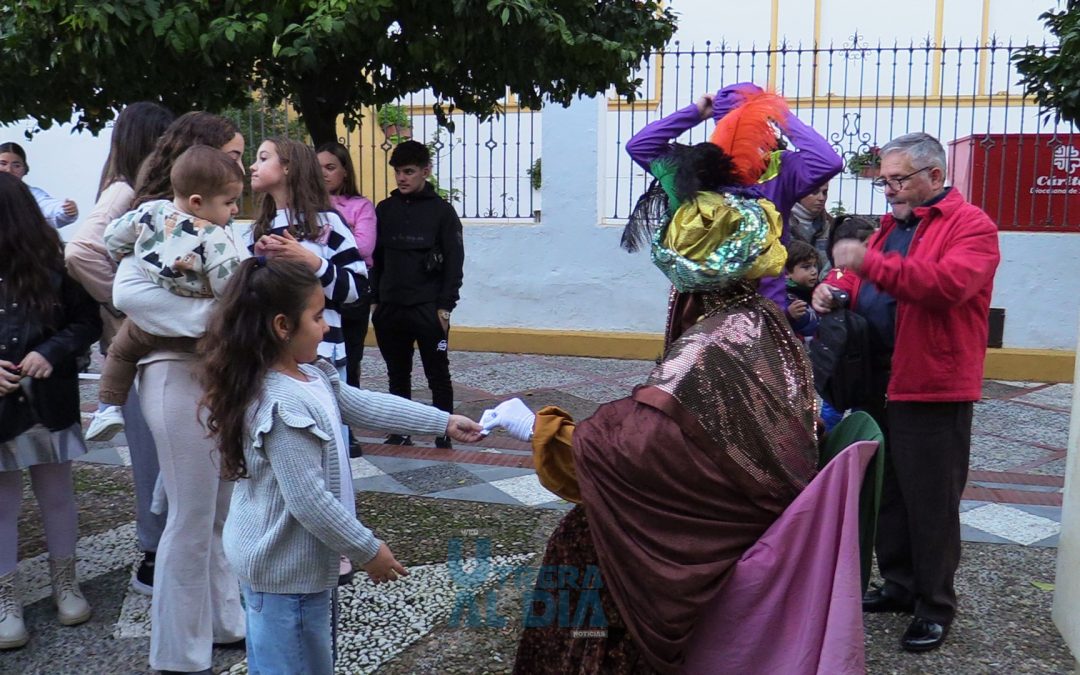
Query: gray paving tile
x=994, y=389
x=480, y=492
x=382, y=484
x=1022, y=422
x=515, y=376
x=602, y=368
x=559, y=505
x=990, y=453
x=1049, y=542
x=490, y=473
x=107, y=455
x=600, y=392
x=436, y=478
x=1058, y=396
x=972, y=534
x=968, y=504
x=396, y=464
x=1049, y=512
x=1016, y=486
x=1054, y=468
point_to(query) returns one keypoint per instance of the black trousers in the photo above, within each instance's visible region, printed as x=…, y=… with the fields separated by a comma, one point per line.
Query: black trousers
x=918, y=543
x=355, y=327
x=397, y=328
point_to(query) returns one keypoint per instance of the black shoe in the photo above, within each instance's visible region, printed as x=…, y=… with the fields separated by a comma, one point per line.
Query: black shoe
x=444, y=443
x=355, y=449
x=143, y=581
x=878, y=600
x=398, y=439
x=923, y=635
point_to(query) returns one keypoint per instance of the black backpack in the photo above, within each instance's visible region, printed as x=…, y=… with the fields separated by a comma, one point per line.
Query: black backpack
x=840, y=355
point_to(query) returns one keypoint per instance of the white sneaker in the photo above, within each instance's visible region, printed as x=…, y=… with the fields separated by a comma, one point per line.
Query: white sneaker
x=12, y=629
x=105, y=424
x=71, y=607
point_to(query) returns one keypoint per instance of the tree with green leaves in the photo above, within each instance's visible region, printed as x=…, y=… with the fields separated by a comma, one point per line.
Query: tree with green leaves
x=326, y=57
x=1052, y=74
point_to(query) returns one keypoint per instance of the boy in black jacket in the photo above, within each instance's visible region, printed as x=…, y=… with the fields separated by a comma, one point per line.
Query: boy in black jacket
x=415, y=279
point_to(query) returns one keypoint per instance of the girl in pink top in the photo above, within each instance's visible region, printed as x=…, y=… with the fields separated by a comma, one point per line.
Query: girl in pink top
x=359, y=214
x=357, y=210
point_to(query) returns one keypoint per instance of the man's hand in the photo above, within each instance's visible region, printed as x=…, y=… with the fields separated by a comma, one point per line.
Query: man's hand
x=384, y=566
x=70, y=208
x=822, y=300
x=9, y=377
x=797, y=309
x=849, y=253
x=704, y=106
x=34, y=365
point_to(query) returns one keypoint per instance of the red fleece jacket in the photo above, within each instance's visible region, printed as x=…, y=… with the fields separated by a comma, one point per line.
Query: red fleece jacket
x=942, y=290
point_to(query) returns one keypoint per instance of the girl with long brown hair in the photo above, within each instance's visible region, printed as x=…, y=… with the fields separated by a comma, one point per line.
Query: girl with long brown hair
x=296, y=222
x=276, y=413
x=46, y=321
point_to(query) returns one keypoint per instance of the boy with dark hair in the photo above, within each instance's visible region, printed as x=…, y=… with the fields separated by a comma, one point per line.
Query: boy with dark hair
x=415, y=281
x=802, y=277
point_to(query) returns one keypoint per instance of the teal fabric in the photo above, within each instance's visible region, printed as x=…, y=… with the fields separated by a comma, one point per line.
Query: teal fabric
x=859, y=426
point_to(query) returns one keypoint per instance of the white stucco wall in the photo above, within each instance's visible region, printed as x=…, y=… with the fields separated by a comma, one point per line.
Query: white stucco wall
x=1037, y=284
x=64, y=164
x=566, y=272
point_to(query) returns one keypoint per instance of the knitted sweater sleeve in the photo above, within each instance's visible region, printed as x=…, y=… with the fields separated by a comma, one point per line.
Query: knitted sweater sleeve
x=386, y=412
x=292, y=445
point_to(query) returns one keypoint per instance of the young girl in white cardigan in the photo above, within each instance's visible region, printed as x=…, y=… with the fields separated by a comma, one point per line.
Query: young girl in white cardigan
x=277, y=416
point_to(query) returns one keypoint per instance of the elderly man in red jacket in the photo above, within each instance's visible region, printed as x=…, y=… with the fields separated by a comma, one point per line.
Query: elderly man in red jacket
x=923, y=282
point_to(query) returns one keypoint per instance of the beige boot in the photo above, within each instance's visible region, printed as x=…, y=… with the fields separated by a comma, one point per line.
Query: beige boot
x=12, y=629
x=71, y=606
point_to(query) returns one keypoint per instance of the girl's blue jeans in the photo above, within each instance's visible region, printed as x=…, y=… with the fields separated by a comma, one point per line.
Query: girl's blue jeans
x=288, y=633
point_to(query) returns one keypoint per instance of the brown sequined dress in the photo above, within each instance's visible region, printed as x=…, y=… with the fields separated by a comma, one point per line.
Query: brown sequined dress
x=676, y=482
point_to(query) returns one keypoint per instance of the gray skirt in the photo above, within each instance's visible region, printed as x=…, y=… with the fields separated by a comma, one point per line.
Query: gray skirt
x=38, y=445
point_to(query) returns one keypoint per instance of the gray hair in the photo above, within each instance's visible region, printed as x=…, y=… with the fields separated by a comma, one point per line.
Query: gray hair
x=923, y=149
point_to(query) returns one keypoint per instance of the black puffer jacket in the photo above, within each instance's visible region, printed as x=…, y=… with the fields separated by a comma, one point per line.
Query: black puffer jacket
x=419, y=252
x=75, y=325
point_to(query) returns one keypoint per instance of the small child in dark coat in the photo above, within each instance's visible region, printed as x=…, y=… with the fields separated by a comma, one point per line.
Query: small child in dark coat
x=802, y=277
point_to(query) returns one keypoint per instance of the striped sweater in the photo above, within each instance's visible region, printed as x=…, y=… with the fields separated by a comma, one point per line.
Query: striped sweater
x=343, y=275
x=287, y=524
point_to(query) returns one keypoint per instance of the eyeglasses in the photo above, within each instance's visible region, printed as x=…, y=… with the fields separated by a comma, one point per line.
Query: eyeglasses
x=896, y=183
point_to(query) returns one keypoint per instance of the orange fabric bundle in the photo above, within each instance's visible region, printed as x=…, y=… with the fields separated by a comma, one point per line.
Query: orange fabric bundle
x=746, y=135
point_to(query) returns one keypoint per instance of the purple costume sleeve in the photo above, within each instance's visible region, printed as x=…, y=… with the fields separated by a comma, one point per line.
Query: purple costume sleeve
x=801, y=172
x=654, y=140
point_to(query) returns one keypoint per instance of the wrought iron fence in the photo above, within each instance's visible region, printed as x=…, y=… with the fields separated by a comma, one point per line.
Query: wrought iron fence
x=858, y=97
x=486, y=169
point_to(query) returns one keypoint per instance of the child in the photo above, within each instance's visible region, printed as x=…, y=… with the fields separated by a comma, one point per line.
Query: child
x=57, y=213
x=276, y=412
x=802, y=277
x=359, y=214
x=297, y=222
x=184, y=245
x=845, y=227
x=419, y=258
x=46, y=321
